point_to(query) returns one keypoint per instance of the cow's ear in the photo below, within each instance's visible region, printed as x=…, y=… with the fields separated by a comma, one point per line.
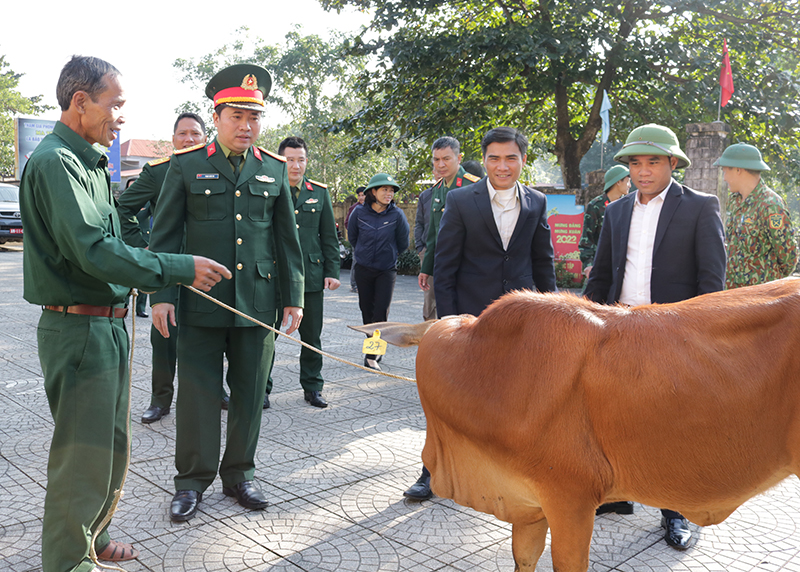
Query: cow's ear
x=397, y=334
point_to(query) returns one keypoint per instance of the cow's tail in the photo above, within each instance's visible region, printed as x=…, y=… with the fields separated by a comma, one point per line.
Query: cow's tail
x=397, y=334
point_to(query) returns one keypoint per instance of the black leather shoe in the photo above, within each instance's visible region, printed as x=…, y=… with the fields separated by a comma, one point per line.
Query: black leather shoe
x=247, y=495
x=184, y=505
x=678, y=534
x=225, y=400
x=154, y=413
x=621, y=507
x=143, y=314
x=315, y=398
x=266, y=401
x=421, y=490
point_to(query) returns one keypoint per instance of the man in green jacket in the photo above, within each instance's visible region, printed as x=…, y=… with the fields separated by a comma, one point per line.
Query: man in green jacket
x=189, y=130
x=316, y=226
x=228, y=199
x=78, y=269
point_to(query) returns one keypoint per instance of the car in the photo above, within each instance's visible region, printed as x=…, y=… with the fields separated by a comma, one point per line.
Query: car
x=10, y=218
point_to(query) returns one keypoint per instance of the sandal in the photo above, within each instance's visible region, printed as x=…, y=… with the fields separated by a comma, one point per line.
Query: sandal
x=117, y=551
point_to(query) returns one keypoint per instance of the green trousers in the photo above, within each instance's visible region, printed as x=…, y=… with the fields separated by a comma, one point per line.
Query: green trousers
x=200, y=367
x=165, y=355
x=85, y=366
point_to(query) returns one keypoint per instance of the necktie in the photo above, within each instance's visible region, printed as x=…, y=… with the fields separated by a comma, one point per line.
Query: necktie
x=235, y=160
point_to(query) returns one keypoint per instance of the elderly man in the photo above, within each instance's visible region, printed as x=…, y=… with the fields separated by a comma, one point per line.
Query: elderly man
x=78, y=269
x=761, y=243
x=188, y=131
x=231, y=200
x=664, y=243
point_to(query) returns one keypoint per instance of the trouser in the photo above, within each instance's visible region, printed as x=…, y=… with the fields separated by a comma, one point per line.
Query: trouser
x=85, y=366
x=353, y=273
x=165, y=355
x=310, y=332
x=197, y=438
x=429, y=302
x=141, y=303
x=375, y=289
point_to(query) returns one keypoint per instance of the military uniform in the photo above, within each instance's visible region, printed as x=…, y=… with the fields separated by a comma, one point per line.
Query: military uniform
x=147, y=189
x=438, y=200
x=761, y=242
x=73, y=258
x=592, y=223
x=246, y=222
x=316, y=226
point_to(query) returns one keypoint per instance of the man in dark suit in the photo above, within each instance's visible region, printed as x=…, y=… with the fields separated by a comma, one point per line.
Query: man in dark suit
x=662, y=244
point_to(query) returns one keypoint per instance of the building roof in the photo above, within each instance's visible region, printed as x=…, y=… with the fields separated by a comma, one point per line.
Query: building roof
x=145, y=148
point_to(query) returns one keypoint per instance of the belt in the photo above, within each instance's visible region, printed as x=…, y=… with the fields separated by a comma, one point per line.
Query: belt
x=89, y=310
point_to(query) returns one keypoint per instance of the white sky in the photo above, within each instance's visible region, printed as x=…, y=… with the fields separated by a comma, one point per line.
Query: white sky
x=143, y=41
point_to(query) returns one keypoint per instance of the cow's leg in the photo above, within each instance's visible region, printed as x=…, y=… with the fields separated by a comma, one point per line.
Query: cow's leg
x=570, y=537
x=527, y=544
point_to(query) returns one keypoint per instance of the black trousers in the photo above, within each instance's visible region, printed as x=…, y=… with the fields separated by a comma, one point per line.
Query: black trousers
x=375, y=290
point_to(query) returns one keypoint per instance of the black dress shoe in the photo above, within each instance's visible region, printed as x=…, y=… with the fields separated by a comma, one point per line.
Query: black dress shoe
x=142, y=314
x=225, y=400
x=266, y=401
x=421, y=490
x=678, y=534
x=315, y=398
x=154, y=413
x=184, y=505
x=621, y=507
x=247, y=495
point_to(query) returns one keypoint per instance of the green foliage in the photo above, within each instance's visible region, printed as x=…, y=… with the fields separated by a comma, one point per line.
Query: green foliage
x=565, y=278
x=12, y=104
x=408, y=263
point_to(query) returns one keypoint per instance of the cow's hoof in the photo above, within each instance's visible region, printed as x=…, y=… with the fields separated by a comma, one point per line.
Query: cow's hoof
x=621, y=507
x=678, y=534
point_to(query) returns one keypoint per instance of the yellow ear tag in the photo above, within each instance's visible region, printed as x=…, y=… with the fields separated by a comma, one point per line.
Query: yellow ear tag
x=374, y=345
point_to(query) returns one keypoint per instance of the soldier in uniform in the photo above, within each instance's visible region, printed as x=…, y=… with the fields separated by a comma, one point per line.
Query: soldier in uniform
x=761, y=243
x=229, y=199
x=79, y=270
x=617, y=182
x=188, y=131
x=316, y=226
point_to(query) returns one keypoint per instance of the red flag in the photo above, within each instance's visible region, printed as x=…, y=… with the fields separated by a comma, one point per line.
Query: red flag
x=725, y=76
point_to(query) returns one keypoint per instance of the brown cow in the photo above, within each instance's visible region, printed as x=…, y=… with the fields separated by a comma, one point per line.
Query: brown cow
x=548, y=405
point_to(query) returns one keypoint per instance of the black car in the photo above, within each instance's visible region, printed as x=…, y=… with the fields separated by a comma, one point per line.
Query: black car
x=10, y=219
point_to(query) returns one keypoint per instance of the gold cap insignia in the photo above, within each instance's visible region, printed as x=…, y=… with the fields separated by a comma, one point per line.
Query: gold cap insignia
x=249, y=82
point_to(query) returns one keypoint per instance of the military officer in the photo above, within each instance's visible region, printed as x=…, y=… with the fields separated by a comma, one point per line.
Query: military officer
x=617, y=183
x=761, y=243
x=78, y=269
x=229, y=199
x=316, y=226
x=189, y=130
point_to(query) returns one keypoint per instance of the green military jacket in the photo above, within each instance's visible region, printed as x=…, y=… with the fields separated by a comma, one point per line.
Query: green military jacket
x=316, y=226
x=73, y=249
x=438, y=200
x=245, y=222
x=146, y=188
x=592, y=223
x=761, y=242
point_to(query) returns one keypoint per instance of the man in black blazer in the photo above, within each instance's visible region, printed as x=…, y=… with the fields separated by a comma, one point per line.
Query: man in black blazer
x=494, y=236
x=662, y=244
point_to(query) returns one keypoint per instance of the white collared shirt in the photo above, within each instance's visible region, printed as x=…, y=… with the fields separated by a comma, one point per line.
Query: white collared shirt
x=641, y=240
x=505, y=209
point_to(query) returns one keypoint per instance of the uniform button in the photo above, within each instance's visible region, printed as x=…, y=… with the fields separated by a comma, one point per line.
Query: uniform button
x=298, y=226
x=238, y=193
x=238, y=241
x=269, y=276
x=208, y=191
x=296, y=212
x=266, y=193
x=238, y=217
x=239, y=266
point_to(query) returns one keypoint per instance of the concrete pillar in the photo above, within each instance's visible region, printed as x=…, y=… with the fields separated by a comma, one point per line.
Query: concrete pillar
x=705, y=144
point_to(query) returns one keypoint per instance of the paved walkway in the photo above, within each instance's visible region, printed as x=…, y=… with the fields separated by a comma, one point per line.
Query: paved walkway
x=334, y=477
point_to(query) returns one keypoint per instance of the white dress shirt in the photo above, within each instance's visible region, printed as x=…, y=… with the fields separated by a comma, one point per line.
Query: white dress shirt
x=641, y=239
x=505, y=208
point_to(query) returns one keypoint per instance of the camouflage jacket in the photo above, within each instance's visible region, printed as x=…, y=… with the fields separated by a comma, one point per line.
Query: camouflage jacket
x=761, y=243
x=592, y=223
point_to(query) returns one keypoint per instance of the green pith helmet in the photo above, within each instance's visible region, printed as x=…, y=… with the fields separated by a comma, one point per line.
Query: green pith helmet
x=381, y=180
x=615, y=174
x=244, y=86
x=652, y=139
x=743, y=156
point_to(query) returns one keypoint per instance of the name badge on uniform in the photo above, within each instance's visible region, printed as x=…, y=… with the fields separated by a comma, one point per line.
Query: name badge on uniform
x=264, y=179
x=208, y=175
x=312, y=201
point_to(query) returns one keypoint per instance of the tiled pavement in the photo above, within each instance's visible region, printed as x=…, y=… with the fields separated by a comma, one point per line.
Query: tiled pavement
x=334, y=477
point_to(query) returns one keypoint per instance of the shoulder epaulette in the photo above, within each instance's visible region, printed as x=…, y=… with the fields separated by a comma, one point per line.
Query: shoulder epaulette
x=471, y=177
x=274, y=155
x=155, y=162
x=193, y=148
x=323, y=185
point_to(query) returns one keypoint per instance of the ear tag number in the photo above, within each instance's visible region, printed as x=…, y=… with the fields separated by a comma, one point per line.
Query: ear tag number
x=374, y=345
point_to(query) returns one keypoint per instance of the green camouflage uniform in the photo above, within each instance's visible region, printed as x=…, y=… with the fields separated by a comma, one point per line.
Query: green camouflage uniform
x=592, y=223
x=761, y=243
